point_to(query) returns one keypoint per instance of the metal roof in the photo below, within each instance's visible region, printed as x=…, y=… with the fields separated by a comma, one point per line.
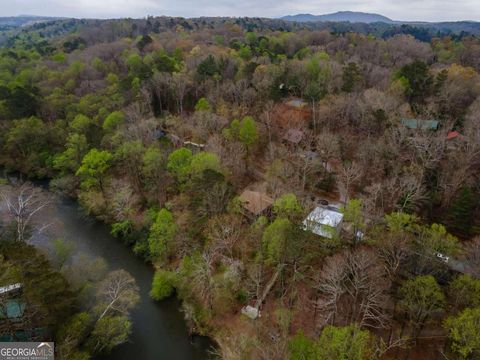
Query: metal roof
x=420, y=124
x=323, y=220
x=12, y=309
x=8, y=288
x=296, y=103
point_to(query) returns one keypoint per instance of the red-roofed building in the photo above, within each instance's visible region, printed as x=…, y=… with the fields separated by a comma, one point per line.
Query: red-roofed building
x=452, y=135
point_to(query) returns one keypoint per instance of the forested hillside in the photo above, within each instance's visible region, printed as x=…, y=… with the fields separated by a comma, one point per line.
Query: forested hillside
x=209, y=144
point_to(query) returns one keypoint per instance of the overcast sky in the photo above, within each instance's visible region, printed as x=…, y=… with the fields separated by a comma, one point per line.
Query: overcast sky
x=428, y=10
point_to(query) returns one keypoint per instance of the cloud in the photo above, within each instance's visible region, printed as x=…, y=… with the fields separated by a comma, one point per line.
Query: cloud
x=428, y=10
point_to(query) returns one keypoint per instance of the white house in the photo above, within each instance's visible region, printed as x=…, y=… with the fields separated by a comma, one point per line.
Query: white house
x=8, y=288
x=324, y=221
x=251, y=312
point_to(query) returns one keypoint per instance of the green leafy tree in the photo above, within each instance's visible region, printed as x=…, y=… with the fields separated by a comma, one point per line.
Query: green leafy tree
x=435, y=239
x=138, y=69
x=464, y=291
x=162, y=233
x=314, y=92
x=163, y=285
x=94, y=168
x=288, y=206
x=179, y=163
x=421, y=297
x=464, y=333
x=275, y=240
x=71, y=336
x=109, y=332
x=353, y=215
x=165, y=63
x=244, y=131
x=122, y=229
x=245, y=53
x=232, y=132
x=82, y=124
x=344, y=343
x=202, y=105
x=248, y=133
x=300, y=347
x=26, y=143
x=75, y=149
x=154, y=169
x=113, y=121
x=203, y=161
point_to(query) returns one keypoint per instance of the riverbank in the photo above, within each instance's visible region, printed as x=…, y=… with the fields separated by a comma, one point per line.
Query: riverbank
x=157, y=327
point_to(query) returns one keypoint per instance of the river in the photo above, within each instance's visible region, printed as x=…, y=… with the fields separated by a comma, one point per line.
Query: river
x=159, y=330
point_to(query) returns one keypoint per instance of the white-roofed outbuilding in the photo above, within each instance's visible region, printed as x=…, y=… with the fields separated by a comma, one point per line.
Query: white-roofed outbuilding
x=324, y=221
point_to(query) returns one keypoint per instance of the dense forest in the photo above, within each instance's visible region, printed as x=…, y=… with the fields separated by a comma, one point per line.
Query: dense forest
x=207, y=144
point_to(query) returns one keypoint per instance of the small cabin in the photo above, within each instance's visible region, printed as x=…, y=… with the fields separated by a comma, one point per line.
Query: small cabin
x=11, y=307
x=251, y=312
x=297, y=103
x=255, y=203
x=324, y=221
x=452, y=135
x=417, y=124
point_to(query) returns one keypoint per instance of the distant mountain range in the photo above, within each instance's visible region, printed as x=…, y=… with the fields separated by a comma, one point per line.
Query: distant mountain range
x=359, y=17
x=341, y=16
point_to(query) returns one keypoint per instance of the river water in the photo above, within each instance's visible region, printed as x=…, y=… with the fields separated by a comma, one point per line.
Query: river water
x=159, y=330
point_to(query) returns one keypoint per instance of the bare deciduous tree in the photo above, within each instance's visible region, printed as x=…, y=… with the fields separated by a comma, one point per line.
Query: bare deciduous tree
x=349, y=175
x=352, y=288
x=22, y=204
x=118, y=292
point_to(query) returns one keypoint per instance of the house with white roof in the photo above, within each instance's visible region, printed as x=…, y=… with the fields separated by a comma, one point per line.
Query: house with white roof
x=9, y=288
x=324, y=221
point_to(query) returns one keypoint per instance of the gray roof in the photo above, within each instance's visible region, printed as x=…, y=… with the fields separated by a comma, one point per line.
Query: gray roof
x=323, y=221
x=297, y=103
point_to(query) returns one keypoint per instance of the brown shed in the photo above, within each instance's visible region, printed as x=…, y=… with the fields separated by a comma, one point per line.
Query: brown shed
x=255, y=202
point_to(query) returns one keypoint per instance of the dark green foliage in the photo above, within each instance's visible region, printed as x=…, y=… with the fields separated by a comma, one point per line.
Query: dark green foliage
x=45, y=291
x=351, y=77
x=418, y=81
x=73, y=44
x=300, y=347
x=20, y=102
x=165, y=63
x=210, y=193
x=144, y=41
x=461, y=217
x=207, y=68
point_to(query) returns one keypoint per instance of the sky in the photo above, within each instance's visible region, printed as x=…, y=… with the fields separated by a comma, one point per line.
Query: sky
x=414, y=10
